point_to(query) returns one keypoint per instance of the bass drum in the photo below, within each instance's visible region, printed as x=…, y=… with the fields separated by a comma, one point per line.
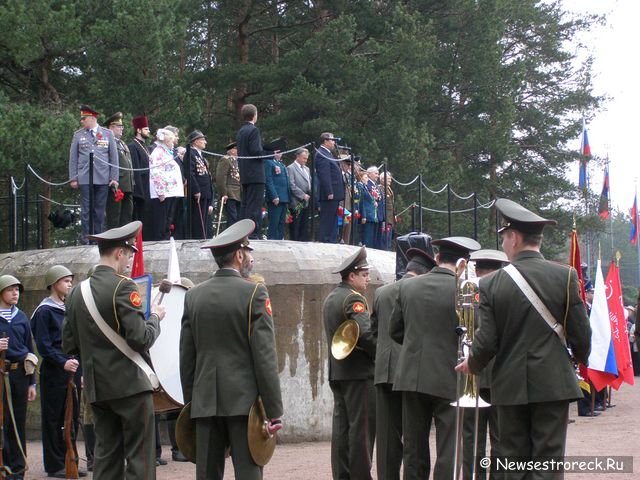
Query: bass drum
x=165, y=352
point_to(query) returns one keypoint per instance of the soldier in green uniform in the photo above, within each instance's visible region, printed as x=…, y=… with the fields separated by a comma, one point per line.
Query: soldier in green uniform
x=112, y=343
x=228, y=357
x=388, y=402
x=533, y=379
x=228, y=183
x=485, y=261
x=424, y=321
x=120, y=210
x=351, y=379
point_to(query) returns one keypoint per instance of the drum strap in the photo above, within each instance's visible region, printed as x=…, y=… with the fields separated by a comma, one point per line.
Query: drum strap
x=117, y=340
x=533, y=297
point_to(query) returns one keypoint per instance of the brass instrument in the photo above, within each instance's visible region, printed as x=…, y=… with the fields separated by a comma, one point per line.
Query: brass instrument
x=467, y=300
x=344, y=339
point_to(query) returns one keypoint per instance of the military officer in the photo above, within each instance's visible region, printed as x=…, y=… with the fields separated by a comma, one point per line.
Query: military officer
x=110, y=342
x=533, y=379
x=351, y=379
x=120, y=205
x=56, y=367
x=485, y=261
x=388, y=402
x=424, y=321
x=229, y=359
x=99, y=141
x=228, y=183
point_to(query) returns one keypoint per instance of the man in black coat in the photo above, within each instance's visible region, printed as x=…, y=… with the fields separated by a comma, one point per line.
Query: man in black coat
x=140, y=161
x=200, y=184
x=331, y=188
x=249, y=144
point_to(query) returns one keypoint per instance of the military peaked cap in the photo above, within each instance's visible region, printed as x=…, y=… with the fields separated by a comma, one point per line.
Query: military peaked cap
x=115, y=119
x=86, y=111
x=461, y=246
x=230, y=146
x=356, y=261
x=232, y=239
x=420, y=256
x=124, y=236
x=489, y=259
x=519, y=218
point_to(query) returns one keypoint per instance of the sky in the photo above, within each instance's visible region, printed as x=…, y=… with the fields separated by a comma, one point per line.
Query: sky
x=616, y=74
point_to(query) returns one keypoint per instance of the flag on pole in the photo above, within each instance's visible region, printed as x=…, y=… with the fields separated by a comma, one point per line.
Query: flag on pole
x=603, y=208
x=619, y=334
x=585, y=152
x=137, y=268
x=173, y=272
x=633, y=237
x=575, y=261
x=602, y=360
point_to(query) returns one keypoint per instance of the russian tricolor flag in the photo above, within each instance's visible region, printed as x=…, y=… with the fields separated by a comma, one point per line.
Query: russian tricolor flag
x=603, y=368
x=634, y=222
x=585, y=150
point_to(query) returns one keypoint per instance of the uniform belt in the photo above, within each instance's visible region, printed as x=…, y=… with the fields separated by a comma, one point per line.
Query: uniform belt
x=11, y=365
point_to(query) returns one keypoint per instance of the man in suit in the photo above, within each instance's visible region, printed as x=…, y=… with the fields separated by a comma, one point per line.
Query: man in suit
x=119, y=391
x=92, y=139
x=351, y=378
x=228, y=183
x=533, y=379
x=330, y=188
x=140, y=161
x=424, y=322
x=388, y=402
x=300, y=189
x=249, y=143
x=200, y=183
x=229, y=359
x=120, y=210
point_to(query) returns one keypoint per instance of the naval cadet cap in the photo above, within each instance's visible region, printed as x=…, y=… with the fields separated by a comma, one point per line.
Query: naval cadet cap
x=457, y=245
x=230, y=146
x=356, y=261
x=115, y=119
x=124, y=236
x=489, y=258
x=10, y=281
x=195, y=135
x=232, y=239
x=517, y=217
x=86, y=111
x=420, y=256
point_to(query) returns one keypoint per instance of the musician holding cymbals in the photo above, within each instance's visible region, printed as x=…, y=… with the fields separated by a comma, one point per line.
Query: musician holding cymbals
x=105, y=326
x=529, y=312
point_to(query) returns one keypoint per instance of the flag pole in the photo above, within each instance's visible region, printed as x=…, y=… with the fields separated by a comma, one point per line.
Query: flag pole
x=609, y=207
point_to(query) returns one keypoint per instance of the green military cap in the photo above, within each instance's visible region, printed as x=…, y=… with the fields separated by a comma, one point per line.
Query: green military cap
x=55, y=273
x=461, y=246
x=9, y=281
x=519, y=218
x=231, y=146
x=488, y=258
x=355, y=262
x=124, y=236
x=420, y=256
x=232, y=239
x=115, y=119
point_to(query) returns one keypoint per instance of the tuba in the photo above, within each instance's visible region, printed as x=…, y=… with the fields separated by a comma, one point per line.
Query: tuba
x=344, y=339
x=467, y=299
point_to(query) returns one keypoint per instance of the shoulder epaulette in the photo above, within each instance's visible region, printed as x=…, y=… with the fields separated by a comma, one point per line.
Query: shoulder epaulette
x=123, y=276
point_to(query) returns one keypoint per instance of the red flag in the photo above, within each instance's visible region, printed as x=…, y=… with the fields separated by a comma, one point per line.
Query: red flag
x=575, y=262
x=137, y=269
x=619, y=334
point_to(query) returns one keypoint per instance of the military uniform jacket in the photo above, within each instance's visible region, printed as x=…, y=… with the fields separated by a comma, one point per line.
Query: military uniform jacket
x=228, y=178
x=105, y=156
x=125, y=182
x=199, y=172
x=342, y=304
x=276, y=181
x=140, y=160
x=531, y=364
x=108, y=373
x=424, y=321
x=227, y=348
x=387, y=350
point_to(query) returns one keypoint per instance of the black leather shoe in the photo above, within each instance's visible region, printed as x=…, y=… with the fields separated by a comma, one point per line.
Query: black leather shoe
x=82, y=473
x=595, y=414
x=160, y=461
x=58, y=474
x=178, y=457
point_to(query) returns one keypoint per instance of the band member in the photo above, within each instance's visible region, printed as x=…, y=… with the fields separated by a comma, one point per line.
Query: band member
x=140, y=161
x=388, y=402
x=330, y=188
x=99, y=141
x=486, y=262
x=120, y=205
x=200, y=183
x=228, y=183
x=424, y=322
x=20, y=363
x=232, y=353
x=351, y=379
x=533, y=378
x=116, y=385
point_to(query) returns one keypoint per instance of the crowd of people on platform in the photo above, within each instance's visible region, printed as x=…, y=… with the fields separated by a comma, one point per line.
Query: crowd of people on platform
x=177, y=191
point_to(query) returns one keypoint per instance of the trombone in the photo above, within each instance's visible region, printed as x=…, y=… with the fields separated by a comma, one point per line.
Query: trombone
x=467, y=299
